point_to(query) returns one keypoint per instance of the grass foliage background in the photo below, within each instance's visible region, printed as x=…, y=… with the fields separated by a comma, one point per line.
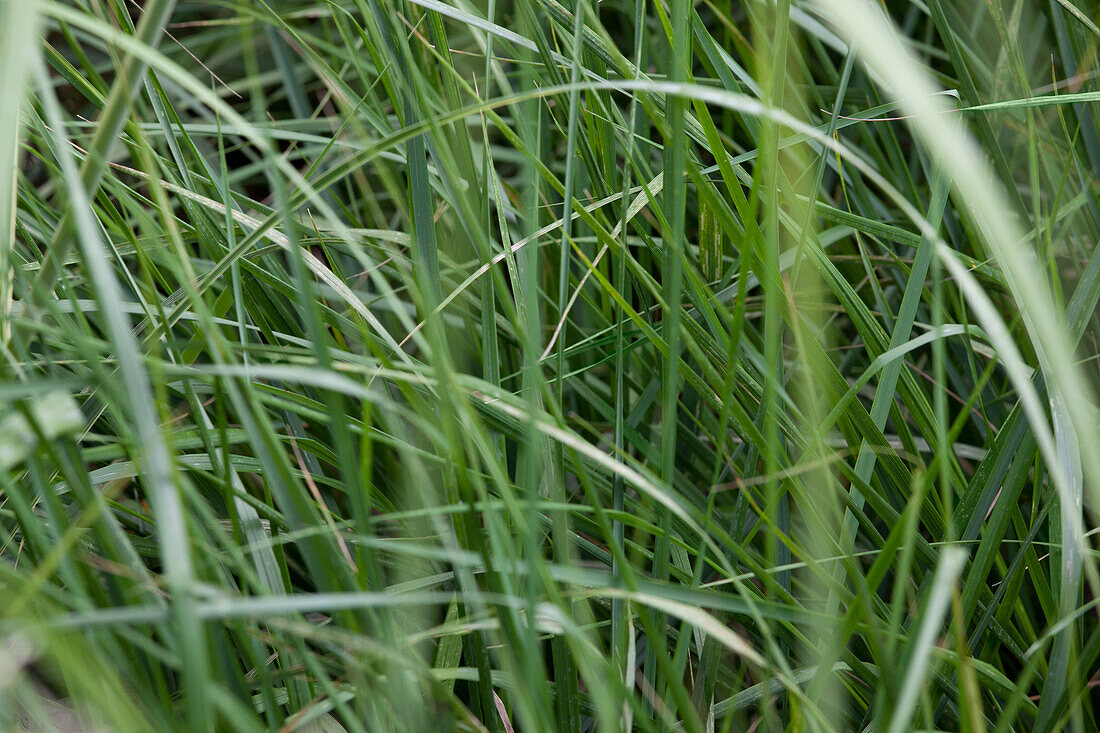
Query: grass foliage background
x=545, y=365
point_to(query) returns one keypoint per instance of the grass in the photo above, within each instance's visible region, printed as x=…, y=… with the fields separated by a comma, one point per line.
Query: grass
x=549, y=366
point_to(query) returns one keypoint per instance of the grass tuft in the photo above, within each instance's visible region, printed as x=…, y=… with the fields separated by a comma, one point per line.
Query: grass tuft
x=552, y=365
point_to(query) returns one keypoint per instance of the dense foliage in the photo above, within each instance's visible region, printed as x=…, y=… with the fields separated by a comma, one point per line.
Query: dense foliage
x=549, y=365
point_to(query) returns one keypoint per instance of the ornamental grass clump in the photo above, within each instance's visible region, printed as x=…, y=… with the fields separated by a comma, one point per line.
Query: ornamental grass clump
x=549, y=365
